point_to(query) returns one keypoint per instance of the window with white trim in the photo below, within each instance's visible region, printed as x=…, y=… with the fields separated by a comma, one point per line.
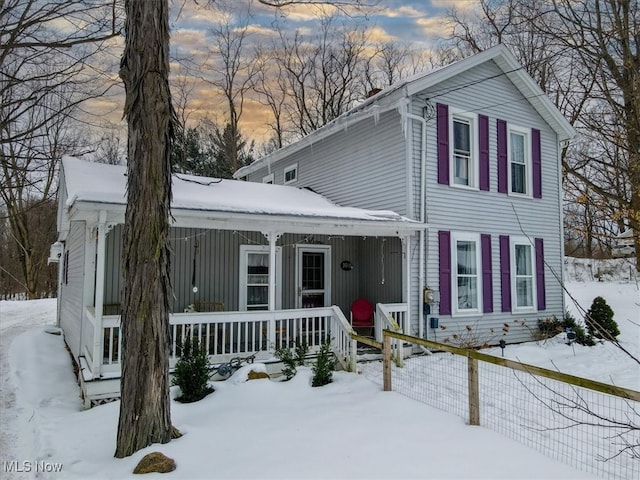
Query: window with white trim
x=519, y=156
x=254, y=277
x=291, y=173
x=463, y=149
x=466, y=273
x=523, y=277
x=268, y=178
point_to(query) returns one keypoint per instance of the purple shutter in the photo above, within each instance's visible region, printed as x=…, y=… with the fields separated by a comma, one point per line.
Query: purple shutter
x=536, y=163
x=505, y=273
x=444, y=248
x=442, y=125
x=487, y=277
x=542, y=299
x=483, y=143
x=503, y=167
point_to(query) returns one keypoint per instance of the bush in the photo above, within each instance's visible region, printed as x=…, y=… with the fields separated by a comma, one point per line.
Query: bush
x=324, y=365
x=292, y=359
x=600, y=322
x=550, y=327
x=192, y=372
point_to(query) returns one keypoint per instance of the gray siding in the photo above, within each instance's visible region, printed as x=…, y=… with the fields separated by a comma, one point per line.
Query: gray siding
x=72, y=291
x=362, y=165
x=494, y=213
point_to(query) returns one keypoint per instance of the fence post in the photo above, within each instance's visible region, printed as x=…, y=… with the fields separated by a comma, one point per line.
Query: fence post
x=474, y=392
x=386, y=362
x=353, y=355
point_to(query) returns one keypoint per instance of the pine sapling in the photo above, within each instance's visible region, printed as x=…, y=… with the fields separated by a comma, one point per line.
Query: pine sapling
x=192, y=372
x=600, y=322
x=324, y=365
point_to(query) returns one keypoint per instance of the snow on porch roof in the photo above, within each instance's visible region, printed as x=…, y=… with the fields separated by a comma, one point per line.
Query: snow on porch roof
x=102, y=183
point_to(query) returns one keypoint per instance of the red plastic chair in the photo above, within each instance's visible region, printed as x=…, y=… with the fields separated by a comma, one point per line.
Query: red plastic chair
x=362, y=315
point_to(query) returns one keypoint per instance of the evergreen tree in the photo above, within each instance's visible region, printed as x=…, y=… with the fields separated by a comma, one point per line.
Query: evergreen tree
x=600, y=322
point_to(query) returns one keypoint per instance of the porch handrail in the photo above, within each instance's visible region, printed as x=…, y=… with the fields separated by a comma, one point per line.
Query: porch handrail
x=227, y=334
x=344, y=347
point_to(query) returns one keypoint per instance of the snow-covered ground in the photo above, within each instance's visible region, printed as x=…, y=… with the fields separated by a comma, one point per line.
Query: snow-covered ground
x=269, y=429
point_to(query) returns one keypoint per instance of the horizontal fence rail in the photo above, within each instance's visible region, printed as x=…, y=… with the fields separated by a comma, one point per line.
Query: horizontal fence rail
x=590, y=425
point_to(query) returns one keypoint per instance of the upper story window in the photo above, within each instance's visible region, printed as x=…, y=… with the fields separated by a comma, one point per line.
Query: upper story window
x=291, y=173
x=462, y=154
x=466, y=271
x=464, y=150
x=520, y=178
x=268, y=178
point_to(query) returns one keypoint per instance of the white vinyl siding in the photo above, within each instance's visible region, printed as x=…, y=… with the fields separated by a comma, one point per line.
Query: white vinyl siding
x=72, y=290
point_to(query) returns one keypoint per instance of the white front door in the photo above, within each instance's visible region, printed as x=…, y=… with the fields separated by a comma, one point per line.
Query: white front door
x=254, y=277
x=313, y=276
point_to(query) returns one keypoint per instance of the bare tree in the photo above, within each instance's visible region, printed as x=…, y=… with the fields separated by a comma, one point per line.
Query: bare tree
x=604, y=36
x=583, y=55
x=145, y=415
x=320, y=73
x=43, y=56
x=228, y=67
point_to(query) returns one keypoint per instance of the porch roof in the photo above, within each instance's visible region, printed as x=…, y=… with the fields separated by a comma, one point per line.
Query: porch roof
x=227, y=204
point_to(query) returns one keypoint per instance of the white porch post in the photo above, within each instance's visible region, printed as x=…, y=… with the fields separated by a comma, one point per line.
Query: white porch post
x=99, y=292
x=272, y=237
x=406, y=287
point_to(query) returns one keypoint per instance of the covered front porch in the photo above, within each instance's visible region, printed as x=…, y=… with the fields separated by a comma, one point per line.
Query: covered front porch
x=244, y=292
x=254, y=268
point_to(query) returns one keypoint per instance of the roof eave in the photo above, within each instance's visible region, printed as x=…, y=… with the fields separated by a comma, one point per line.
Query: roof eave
x=226, y=220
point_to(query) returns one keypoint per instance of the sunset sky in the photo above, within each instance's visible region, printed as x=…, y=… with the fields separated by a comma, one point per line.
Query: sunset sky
x=416, y=23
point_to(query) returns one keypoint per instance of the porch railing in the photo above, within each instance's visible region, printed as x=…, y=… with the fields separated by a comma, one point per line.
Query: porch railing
x=224, y=335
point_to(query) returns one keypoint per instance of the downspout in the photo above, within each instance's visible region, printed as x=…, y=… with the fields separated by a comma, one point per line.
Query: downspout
x=423, y=215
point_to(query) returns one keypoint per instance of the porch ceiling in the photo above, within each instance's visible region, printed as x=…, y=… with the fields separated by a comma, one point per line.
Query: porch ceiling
x=228, y=205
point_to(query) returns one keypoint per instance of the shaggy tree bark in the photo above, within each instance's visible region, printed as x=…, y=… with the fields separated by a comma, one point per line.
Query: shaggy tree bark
x=145, y=416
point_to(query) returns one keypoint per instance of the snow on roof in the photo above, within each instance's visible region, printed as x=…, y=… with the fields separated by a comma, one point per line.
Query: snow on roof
x=102, y=183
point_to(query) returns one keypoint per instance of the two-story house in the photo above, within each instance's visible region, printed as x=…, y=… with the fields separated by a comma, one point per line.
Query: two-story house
x=472, y=150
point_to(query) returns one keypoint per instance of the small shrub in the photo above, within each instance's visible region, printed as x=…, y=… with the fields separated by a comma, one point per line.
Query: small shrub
x=301, y=350
x=550, y=327
x=600, y=322
x=192, y=372
x=324, y=365
x=472, y=337
x=285, y=355
x=292, y=359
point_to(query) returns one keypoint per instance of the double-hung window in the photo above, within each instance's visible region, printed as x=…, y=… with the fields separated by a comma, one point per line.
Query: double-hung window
x=519, y=161
x=467, y=273
x=462, y=161
x=523, y=274
x=463, y=149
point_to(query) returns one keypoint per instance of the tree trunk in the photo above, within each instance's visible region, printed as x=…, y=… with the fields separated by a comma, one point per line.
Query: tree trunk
x=145, y=416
